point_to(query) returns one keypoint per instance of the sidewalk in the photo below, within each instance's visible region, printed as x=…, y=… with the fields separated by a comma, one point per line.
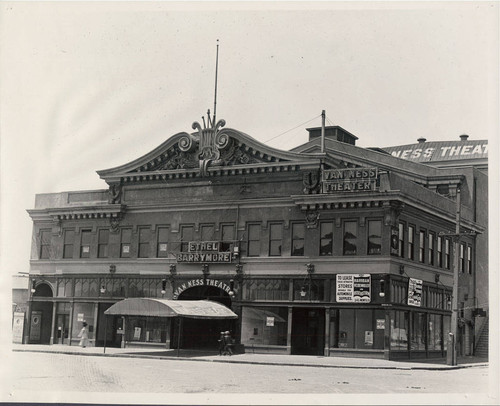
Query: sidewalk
x=250, y=358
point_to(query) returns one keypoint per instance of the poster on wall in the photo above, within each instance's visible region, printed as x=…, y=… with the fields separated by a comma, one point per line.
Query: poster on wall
x=18, y=328
x=353, y=288
x=270, y=321
x=415, y=292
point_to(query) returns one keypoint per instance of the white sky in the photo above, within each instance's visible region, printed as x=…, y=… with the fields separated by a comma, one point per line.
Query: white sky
x=89, y=86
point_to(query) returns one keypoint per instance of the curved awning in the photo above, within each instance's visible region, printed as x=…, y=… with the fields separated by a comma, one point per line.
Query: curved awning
x=195, y=309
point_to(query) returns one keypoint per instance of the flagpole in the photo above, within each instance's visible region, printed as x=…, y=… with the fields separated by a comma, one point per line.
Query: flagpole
x=216, y=72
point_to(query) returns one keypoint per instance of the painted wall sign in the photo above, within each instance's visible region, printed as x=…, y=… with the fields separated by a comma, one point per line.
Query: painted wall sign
x=200, y=282
x=415, y=292
x=18, y=328
x=353, y=288
x=349, y=180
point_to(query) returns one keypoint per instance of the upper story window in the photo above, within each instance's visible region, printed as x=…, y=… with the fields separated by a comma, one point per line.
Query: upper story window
x=102, y=244
x=227, y=237
x=401, y=247
x=431, y=248
x=298, y=236
x=439, y=251
x=187, y=235
x=126, y=238
x=275, y=239
x=162, y=242
x=144, y=242
x=350, y=246
x=447, y=262
x=69, y=243
x=85, y=244
x=253, y=247
x=326, y=239
x=45, y=237
x=462, y=258
x=469, y=259
x=374, y=237
x=207, y=232
x=421, y=246
x=411, y=242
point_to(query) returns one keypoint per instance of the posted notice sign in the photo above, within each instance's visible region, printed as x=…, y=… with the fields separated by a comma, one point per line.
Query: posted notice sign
x=415, y=292
x=353, y=288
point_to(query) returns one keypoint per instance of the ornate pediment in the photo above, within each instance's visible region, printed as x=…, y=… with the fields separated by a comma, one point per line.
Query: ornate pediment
x=209, y=151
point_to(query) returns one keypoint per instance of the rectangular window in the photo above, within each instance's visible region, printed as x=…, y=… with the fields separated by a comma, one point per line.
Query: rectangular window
x=255, y=327
x=447, y=253
x=45, y=236
x=85, y=244
x=418, y=331
x=69, y=241
x=411, y=242
x=126, y=238
x=102, y=244
x=421, y=246
x=275, y=239
x=207, y=232
x=298, y=236
x=253, y=249
x=227, y=237
x=326, y=239
x=162, y=243
x=401, y=247
x=144, y=242
x=440, y=251
x=469, y=259
x=350, y=237
x=187, y=235
x=462, y=258
x=431, y=248
x=399, y=330
x=374, y=237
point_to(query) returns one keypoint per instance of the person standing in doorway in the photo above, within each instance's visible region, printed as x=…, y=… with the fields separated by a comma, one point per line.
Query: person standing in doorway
x=84, y=335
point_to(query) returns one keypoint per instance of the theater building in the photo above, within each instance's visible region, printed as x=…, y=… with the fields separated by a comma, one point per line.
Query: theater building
x=328, y=249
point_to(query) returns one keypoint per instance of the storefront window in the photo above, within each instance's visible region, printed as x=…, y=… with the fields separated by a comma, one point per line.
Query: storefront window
x=446, y=331
x=264, y=325
x=346, y=328
x=146, y=329
x=418, y=331
x=399, y=330
x=435, y=333
x=83, y=312
x=266, y=289
x=364, y=334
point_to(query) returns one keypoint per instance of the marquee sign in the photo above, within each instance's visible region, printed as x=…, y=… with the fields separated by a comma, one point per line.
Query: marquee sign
x=353, y=288
x=349, y=180
x=204, y=251
x=200, y=282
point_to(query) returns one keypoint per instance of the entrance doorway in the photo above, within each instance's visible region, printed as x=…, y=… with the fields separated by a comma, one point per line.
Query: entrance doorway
x=202, y=333
x=308, y=331
x=62, y=328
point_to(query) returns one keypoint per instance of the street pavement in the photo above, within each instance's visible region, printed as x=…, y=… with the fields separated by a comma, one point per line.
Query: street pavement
x=255, y=358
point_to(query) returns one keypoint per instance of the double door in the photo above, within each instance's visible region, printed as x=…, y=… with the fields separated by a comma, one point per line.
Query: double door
x=308, y=331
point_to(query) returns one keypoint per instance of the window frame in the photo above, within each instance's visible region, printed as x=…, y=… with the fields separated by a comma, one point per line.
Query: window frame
x=104, y=245
x=469, y=259
x=124, y=244
x=411, y=242
x=321, y=238
x=371, y=221
x=292, y=239
x=85, y=232
x=431, y=248
x=447, y=254
x=144, y=245
x=225, y=244
x=401, y=239
x=257, y=242
x=278, y=226
x=422, y=232
x=344, y=238
x=439, y=250
x=462, y=257
x=45, y=244
x=184, y=247
x=69, y=253
x=160, y=241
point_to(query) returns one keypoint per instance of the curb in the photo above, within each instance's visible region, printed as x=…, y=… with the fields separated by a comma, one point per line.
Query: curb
x=290, y=364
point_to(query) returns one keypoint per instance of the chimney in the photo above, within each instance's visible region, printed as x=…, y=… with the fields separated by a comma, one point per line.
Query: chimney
x=464, y=137
x=421, y=140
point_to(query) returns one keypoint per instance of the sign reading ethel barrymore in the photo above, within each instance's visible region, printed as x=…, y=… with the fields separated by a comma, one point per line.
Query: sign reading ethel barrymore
x=353, y=288
x=349, y=180
x=204, y=251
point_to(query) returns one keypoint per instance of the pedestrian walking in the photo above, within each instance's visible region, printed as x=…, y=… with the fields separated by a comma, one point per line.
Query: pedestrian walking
x=221, y=343
x=84, y=336
x=228, y=343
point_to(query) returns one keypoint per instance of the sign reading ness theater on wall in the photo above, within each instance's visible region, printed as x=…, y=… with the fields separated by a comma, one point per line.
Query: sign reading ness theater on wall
x=204, y=251
x=349, y=180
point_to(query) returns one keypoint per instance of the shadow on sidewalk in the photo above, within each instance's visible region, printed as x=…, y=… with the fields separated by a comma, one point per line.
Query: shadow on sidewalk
x=187, y=353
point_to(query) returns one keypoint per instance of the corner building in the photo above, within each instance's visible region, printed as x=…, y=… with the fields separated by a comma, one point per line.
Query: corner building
x=337, y=253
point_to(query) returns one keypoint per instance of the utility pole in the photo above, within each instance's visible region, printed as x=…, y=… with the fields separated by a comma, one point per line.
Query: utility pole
x=451, y=354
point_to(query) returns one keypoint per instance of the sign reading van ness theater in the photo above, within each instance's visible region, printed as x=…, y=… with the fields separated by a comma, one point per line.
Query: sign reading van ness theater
x=349, y=180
